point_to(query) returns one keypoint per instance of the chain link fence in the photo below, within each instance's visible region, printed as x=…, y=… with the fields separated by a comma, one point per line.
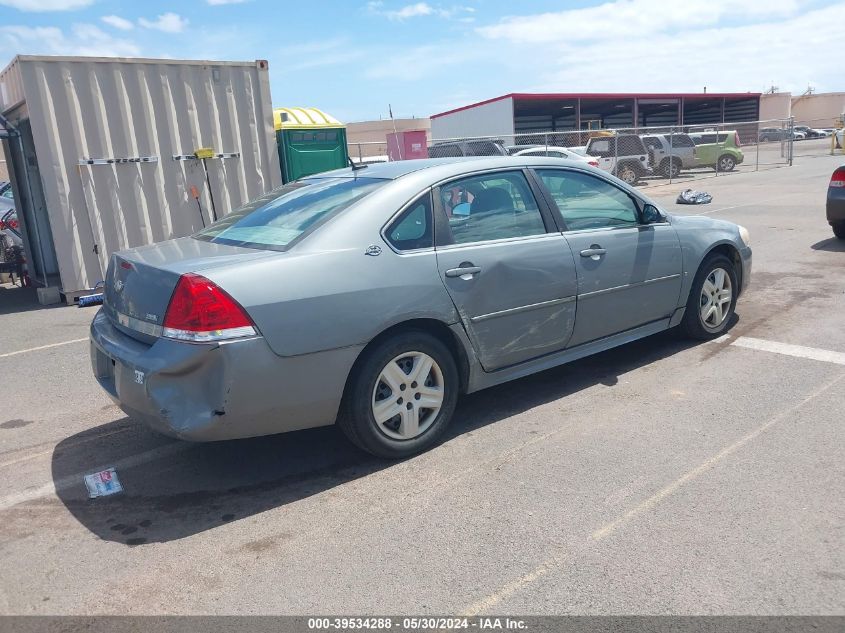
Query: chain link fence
x=645, y=155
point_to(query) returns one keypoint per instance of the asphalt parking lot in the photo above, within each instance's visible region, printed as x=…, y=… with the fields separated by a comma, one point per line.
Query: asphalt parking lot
x=663, y=477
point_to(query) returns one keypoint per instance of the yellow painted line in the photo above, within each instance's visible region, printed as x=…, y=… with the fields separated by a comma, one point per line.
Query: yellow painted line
x=702, y=468
x=489, y=602
x=486, y=604
x=40, y=347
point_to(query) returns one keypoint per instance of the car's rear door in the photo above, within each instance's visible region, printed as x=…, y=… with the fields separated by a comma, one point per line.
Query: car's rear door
x=629, y=274
x=506, y=266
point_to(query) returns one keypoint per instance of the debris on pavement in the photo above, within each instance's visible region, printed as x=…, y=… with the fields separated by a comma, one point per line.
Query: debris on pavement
x=688, y=196
x=103, y=483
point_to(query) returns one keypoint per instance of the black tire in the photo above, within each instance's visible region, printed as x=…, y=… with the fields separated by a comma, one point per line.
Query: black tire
x=692, y=324
x=726, y=162
x=670, y=168
x=839, y=230
x=628, y=174
x=356, y=418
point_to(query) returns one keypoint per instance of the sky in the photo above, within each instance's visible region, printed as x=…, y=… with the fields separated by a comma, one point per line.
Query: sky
x=352, y=58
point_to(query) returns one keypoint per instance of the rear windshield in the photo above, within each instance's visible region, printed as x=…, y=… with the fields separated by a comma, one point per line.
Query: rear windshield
x=277, y=218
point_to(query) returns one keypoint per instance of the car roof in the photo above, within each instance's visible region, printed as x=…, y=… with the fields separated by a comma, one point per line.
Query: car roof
x=445, y=167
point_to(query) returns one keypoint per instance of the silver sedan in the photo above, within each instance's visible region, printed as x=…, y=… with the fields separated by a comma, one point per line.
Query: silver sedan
x=373, y=297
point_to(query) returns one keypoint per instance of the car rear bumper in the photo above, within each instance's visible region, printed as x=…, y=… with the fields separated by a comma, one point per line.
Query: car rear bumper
x=835, y=205
x=207, y=392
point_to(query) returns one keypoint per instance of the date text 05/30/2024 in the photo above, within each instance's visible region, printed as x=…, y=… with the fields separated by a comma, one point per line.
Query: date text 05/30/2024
x=411, y=623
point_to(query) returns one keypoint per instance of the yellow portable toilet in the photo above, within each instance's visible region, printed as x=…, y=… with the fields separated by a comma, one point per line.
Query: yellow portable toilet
x=310, y=141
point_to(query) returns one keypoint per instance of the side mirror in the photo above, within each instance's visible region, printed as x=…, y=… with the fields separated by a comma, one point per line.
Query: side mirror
x=651, y=214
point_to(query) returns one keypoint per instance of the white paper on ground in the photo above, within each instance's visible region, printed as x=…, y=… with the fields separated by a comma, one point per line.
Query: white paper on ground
x=103, y=483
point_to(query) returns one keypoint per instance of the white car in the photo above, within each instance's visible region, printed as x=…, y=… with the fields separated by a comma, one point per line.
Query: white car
x=553, y=151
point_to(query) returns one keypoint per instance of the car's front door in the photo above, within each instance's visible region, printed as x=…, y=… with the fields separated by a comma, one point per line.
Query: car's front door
x=629, y=273
x=507, y=268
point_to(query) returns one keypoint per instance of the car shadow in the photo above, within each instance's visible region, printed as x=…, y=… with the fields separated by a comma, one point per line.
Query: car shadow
x=832, y=244
x=15, y=298
x=208, y=485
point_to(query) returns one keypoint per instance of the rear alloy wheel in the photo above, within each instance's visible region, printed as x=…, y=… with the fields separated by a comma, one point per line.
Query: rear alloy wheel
x=627, y=174
x=712, y=299
x=402, y=396
x=670, y=168
x=727, y=163
x=839, y=230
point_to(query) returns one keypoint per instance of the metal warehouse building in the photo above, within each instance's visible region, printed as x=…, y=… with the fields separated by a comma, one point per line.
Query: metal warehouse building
x=517, y=113
x=103, y=154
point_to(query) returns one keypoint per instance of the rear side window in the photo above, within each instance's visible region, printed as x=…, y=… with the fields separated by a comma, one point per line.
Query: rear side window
x=491, y=207
x=682, y=140
x=276, y=219
x=413, y=229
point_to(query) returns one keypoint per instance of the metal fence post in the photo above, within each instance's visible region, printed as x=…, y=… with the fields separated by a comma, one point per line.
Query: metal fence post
x=757, y=148
x=791, y=146
x=616, y=153
x=671, y=153
x=546, y=138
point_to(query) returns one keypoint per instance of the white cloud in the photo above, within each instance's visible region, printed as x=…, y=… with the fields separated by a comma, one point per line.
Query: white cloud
x=217, y=3
x=746, y=49
x=46, y=5
x=416, y=10
x=621, y=18
x=168, y=22
x=82, y=39
x=118, y=22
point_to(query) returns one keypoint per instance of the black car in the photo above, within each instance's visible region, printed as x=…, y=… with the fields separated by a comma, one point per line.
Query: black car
x=809, y=132
x=836, y=202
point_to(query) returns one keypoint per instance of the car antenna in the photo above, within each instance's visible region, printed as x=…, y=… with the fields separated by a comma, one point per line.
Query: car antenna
x=354, y=166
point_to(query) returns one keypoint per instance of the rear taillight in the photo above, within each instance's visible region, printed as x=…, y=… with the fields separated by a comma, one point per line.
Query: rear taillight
x=2, y=225
x=838, y=178
x=201, y=311
x=736, y=139
x=593, y=163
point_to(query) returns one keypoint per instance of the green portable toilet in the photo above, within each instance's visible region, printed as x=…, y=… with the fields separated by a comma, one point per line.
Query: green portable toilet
x=310, y=141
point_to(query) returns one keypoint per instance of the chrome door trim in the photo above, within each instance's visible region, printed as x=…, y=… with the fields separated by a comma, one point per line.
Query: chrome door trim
x=525, y=308
x=637, y=284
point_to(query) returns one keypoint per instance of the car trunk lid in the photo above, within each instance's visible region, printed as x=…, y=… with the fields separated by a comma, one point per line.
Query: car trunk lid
x=140, y=282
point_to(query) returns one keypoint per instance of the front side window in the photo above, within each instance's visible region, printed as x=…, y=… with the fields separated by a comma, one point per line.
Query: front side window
x=587, y=202
x=277, y=218
x=491, y=207
x=413, y=229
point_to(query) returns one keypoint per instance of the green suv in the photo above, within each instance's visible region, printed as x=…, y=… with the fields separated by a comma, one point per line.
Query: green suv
x=719, y=150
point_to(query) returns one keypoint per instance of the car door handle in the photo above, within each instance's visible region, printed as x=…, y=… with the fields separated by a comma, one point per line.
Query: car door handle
x=463, y=270
x=594, y=251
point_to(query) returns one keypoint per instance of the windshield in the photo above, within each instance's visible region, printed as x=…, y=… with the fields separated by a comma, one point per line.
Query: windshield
x=277, y=218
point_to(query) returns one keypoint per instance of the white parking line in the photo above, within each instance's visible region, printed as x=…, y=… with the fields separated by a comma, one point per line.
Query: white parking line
x=131, y=461
x=35, y=349
x=799, y=351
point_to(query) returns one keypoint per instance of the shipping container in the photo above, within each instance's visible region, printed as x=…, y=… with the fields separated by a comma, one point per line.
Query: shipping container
x=105, y=153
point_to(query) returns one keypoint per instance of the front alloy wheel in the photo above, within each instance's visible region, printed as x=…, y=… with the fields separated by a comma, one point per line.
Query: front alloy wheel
x=716, y=298
x=712, y=298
